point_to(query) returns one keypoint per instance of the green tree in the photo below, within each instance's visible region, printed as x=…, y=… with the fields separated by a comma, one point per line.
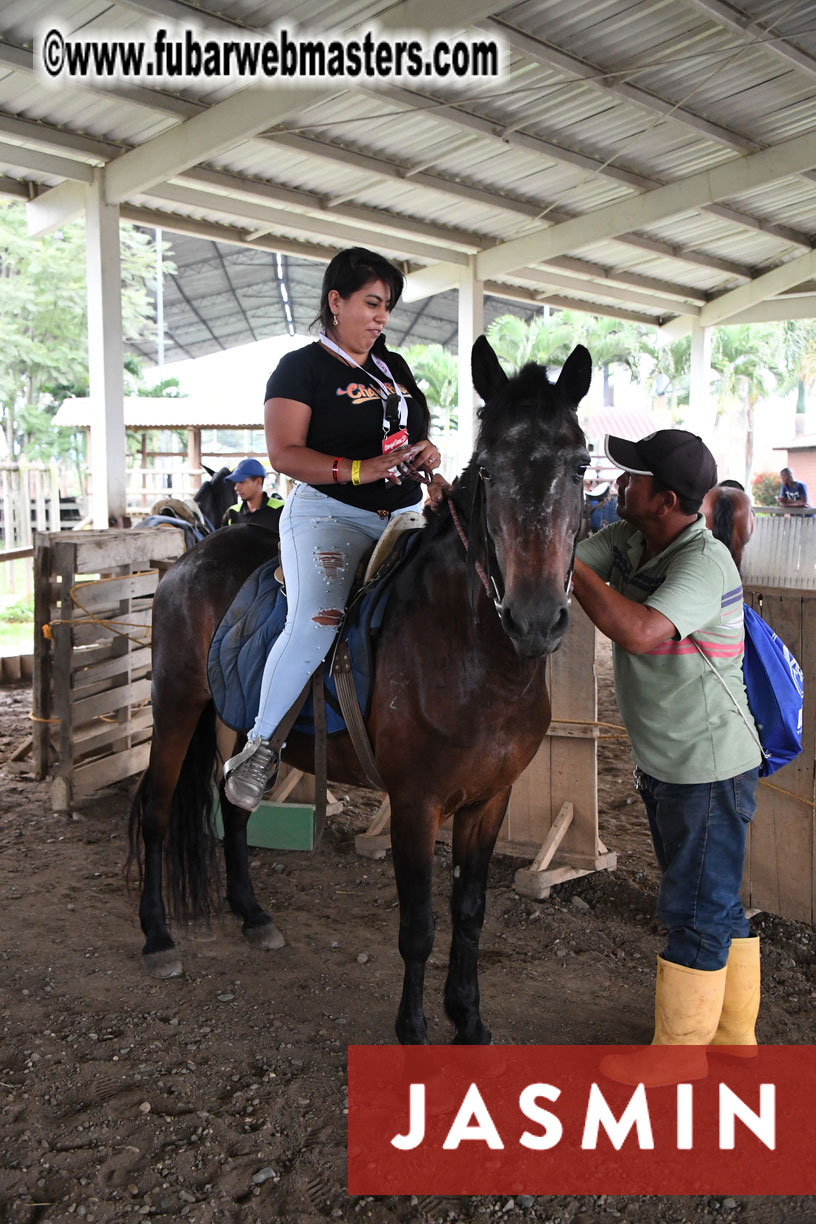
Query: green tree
x=437, y=373
x=550, y=339
x=765, y=489
x=750, y=365
x=43, y=325
x=798, y=347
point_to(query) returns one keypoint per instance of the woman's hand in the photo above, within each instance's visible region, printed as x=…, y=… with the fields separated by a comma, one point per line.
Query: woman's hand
x=391, y=467
x=426, y=459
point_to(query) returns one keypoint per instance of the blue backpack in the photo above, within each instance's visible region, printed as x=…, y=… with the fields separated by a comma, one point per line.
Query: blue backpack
x=775, y=686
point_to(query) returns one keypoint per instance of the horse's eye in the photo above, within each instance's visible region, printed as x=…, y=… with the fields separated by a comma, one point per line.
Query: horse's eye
x=579, y=473
x=485, y=475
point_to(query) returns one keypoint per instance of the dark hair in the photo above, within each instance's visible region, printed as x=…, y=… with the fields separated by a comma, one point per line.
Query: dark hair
x=732, y=484
x=688, y=505
x=351, y=270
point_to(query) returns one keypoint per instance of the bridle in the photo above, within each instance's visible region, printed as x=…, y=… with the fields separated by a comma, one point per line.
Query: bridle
x=479, y=533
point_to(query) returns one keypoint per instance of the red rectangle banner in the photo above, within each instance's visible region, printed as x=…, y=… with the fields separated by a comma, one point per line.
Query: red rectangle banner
x=545, y=1120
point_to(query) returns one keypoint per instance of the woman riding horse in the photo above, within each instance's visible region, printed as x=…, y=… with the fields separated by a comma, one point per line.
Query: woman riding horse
x=345, y=418
x=459, y=706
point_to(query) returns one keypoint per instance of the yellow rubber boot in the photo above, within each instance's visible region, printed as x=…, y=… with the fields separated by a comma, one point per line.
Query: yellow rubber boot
x=688, y=1004
x=740, y=1001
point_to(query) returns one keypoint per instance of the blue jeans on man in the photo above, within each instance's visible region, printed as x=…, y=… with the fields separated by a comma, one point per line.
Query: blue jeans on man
x=698, y=831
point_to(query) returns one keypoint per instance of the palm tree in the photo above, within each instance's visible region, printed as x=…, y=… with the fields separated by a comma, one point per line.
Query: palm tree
x=798, y=345
x=750, y=363
x=437, y=373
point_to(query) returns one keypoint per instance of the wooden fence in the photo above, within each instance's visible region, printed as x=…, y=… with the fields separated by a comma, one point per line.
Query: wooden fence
x=779, y=575
x=93, y=605
x=782, y=551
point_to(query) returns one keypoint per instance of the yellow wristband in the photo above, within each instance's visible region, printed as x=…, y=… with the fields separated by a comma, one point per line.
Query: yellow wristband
x=355, y=471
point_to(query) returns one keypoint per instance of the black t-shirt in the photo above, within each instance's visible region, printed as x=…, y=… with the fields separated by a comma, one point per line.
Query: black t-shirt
x=347, y=417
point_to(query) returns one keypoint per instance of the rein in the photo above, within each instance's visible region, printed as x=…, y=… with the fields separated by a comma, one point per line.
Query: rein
x=476, y=564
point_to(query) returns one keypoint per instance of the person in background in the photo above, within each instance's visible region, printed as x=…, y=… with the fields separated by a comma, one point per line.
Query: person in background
x=602, y=504
x=256, y=507
x=669, y=596
x=792, y=492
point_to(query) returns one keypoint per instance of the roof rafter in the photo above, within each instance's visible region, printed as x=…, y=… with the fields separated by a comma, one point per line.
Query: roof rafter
x=733, y=18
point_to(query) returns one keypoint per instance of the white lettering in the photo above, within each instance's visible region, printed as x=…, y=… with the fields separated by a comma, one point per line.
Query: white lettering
x=473, y=1107
x=763, y=1124
x=416, y=1120
x=553, y=1130
x=599, y=1114
x=685, y=1128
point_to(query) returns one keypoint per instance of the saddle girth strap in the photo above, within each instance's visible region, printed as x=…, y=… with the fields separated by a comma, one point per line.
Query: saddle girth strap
x=321, y=749
x=352, y=714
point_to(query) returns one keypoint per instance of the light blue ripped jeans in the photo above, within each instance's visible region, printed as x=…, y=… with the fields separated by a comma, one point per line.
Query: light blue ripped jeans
x=322, y=541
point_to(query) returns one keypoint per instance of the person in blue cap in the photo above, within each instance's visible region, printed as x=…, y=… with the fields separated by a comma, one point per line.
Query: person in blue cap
x=255, y=506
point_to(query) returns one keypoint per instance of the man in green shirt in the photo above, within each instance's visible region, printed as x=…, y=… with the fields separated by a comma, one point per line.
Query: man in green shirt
x=670, y=598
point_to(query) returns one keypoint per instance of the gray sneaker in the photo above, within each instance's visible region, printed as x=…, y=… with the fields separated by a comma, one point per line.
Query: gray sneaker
x=249, y=774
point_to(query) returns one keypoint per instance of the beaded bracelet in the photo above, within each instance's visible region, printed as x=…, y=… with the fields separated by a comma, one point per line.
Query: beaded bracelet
x=336, y=471
x=355, y=471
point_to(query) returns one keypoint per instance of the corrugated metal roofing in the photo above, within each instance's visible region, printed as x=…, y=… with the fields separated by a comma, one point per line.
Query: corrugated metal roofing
x=602, y=101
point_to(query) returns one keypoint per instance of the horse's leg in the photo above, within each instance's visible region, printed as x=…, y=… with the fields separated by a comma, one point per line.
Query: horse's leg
x=258, y=929
x=167, y=752
x=412, y=840
x=475, y=829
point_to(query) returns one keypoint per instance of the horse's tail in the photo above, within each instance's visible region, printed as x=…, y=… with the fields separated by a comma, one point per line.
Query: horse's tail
x=190, y=846
x=723, y=525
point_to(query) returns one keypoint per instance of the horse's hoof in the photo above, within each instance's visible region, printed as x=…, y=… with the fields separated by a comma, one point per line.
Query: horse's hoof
x=480, y=1036
x=267, y=937
x=164, y=964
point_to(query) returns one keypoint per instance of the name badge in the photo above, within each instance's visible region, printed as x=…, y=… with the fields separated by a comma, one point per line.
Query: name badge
x=394, y=440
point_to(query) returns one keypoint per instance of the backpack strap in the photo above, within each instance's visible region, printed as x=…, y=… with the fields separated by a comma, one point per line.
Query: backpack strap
x=750, y=725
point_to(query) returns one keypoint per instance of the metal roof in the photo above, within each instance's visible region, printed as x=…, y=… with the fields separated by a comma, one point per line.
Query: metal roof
x=650, y=159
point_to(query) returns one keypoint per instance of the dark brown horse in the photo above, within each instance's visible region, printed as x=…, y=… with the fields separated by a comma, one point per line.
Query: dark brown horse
x=459, y=707
x=730, y=516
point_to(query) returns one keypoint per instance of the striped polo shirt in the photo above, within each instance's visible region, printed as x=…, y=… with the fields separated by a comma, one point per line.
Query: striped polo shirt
x=682, y=725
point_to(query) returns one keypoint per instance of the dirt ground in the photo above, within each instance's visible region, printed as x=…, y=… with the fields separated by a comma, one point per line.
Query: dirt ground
x=220, y=1096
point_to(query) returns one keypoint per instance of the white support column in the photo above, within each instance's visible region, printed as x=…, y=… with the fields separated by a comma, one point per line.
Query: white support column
x=698, y=418
x=471, y=325
x=105, y=356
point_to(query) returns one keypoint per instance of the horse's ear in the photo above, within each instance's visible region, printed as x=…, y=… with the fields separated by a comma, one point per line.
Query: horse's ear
x=576, y=374
x=209, y=471
x=488, y=376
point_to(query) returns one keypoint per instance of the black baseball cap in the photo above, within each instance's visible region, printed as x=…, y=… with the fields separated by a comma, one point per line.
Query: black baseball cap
x=679, y=459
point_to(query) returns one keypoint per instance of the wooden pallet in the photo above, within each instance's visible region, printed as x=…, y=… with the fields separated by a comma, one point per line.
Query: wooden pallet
x=780, y=862
x=552, y=816
x=93, y=600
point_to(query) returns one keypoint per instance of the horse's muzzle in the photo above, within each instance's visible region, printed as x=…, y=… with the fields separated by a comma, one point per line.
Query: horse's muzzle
x=535, y=631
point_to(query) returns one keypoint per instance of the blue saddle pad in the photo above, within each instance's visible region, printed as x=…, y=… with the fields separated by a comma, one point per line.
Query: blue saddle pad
x=254, y=620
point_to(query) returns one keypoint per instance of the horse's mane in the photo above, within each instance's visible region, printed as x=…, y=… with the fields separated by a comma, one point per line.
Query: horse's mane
x=527, y=394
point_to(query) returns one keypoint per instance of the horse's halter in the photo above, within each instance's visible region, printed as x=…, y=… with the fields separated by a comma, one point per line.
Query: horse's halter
x=479, y=532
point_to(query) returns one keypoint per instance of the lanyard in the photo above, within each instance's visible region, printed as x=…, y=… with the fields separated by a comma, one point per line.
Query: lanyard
x=388, y=425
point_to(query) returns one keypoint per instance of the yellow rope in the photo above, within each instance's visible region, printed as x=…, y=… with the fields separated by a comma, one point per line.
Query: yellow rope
x=33, y=718
x=586, y=722
x=89, y=619
x=781, y=790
